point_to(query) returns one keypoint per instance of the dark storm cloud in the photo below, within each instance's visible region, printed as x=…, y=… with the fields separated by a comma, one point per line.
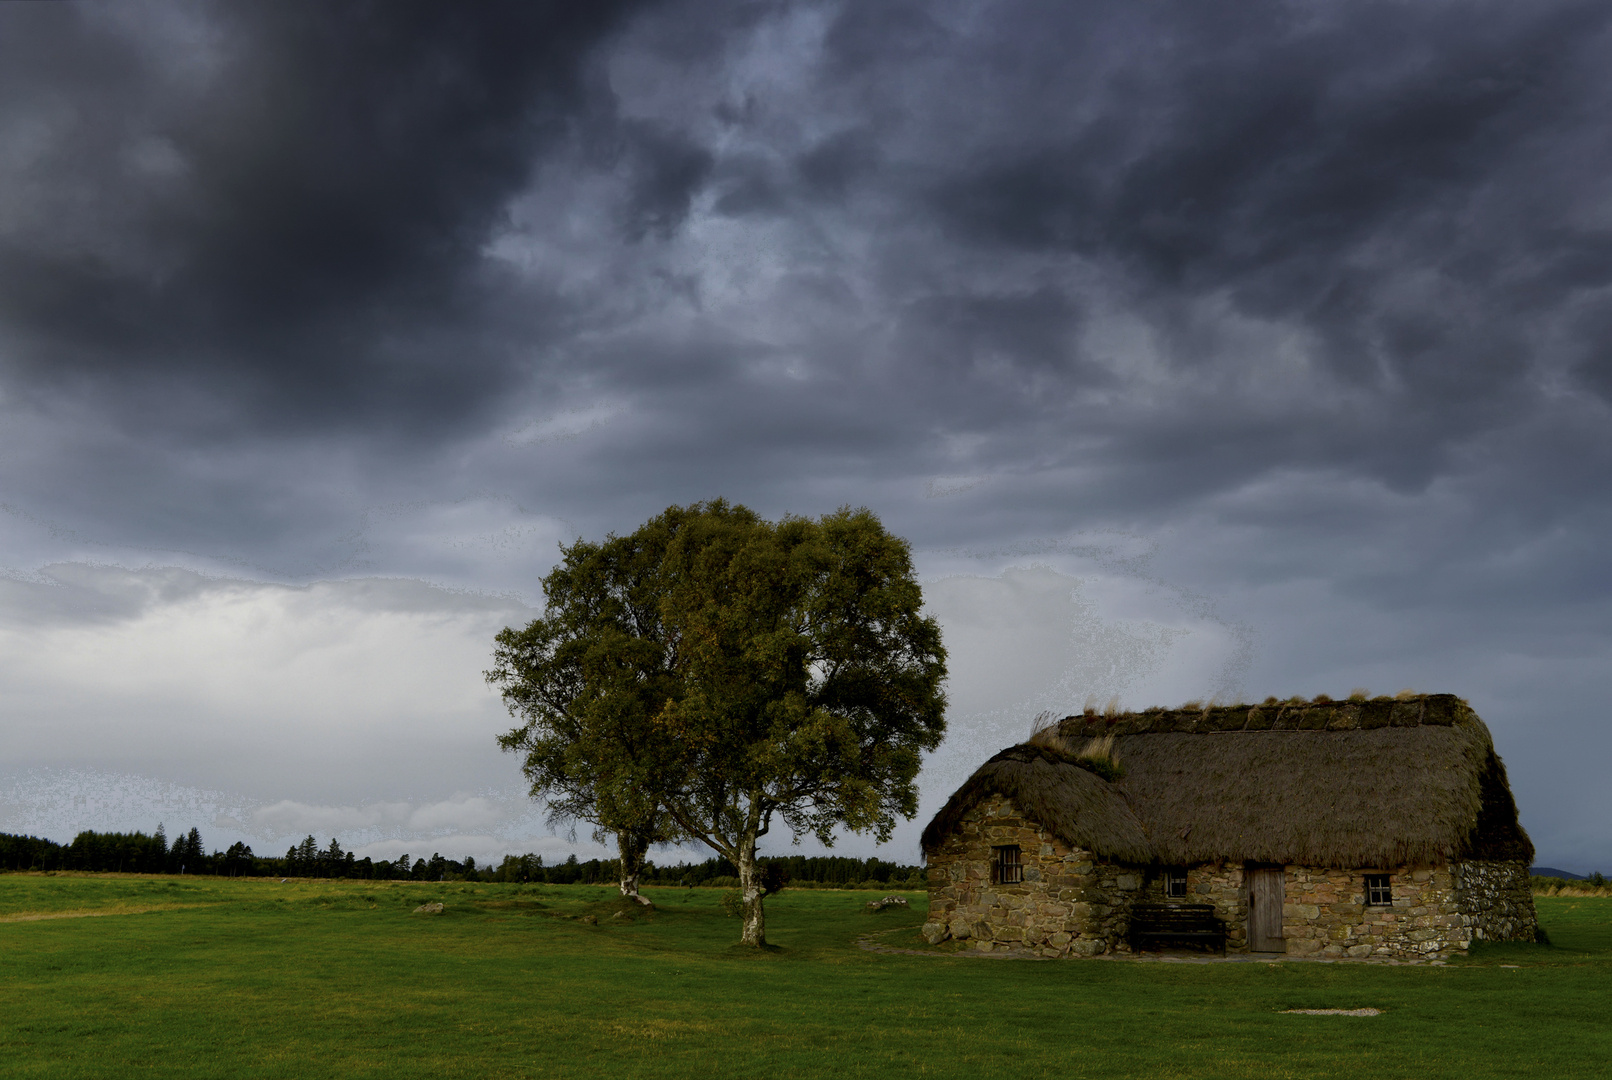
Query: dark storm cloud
x=1238, y=140
x=282, y=204
x=1311, y=303
x=276, y=217
x=1128, y=263
x=1416, y=185
x=1324, y=285
x=1365, y=243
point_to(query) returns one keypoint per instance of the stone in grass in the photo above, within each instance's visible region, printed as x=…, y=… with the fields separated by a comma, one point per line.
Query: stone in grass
x=887, y=902
x=428, y=909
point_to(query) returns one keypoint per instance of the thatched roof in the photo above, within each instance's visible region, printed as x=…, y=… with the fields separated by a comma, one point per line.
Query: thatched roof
x=1348, y=784
x=1075, y=804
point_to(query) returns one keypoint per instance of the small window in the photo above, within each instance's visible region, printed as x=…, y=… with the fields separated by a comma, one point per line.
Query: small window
x=1378, y=891
x=1175, y=883
x=1007, y=870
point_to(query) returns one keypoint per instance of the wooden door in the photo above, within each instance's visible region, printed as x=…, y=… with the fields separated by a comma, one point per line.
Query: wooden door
x=1265, y=896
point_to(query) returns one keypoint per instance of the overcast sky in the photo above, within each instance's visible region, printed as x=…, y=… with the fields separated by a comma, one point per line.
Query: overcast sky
x=1200, y=350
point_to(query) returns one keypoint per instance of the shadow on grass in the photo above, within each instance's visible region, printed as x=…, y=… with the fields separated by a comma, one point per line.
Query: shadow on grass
x=769, y=951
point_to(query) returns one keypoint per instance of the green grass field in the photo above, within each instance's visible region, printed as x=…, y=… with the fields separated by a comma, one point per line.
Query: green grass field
x=179, y=977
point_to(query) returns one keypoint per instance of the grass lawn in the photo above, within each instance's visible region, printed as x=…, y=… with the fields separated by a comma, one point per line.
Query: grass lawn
x=178, y=977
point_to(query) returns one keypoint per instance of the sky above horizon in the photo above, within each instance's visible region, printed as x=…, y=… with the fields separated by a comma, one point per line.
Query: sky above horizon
x=1200, y=352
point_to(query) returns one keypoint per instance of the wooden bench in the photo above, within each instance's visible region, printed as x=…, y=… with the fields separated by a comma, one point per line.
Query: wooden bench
x=1157, y=925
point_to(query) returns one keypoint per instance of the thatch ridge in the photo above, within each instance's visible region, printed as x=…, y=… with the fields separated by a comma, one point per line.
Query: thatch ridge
x=1408, y=710
x=1412, y=780
x=1072, y=802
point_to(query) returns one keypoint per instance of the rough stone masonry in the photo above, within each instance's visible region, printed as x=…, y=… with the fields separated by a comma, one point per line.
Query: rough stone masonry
x=1071, y=902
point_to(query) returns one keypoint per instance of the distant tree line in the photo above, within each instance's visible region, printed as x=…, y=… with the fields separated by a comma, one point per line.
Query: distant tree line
x=137, y=853
x=134, y=853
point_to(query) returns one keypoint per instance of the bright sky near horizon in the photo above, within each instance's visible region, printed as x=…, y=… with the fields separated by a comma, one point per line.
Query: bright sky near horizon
x=1199, y=351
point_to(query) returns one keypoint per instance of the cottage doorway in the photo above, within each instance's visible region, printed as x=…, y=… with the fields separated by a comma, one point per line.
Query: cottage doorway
x=1265, y=896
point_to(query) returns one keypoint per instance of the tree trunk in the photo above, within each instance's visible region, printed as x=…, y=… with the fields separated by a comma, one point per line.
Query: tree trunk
x=631, y=847
x=755, y=919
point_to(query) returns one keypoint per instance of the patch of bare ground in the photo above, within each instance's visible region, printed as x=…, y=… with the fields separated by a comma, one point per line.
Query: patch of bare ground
x=37, y=916
x=1334, y=1012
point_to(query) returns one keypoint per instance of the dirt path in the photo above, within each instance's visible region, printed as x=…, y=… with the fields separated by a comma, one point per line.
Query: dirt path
x=37, y=916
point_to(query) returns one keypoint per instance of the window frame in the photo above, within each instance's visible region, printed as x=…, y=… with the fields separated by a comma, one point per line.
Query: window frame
x=1379, y=890
x=1007, y=864
x=1173, y=876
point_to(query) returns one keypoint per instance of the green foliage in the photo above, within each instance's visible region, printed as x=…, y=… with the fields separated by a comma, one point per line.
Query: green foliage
x=714, y=671
x=29, y=853
x=1106, y=767
x=586, y=680
x=126, y=852
x=809, y=681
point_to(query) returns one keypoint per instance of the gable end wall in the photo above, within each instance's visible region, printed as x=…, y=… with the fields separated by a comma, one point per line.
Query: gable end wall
x=1497, y=900
x=1069, y=903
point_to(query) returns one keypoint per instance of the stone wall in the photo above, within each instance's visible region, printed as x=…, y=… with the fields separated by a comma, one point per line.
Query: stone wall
x=1069, y=903
x=1214, y=883
x=1435, y=911
x=1324, y=911
x=1222, y=886
x=1325, y=914
x=1497, y=900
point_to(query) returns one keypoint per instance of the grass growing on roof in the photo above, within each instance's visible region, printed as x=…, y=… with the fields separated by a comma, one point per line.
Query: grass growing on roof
x=340, y=979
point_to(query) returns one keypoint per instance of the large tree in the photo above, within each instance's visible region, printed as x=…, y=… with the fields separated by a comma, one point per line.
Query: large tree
x=585, y=679
x=737, y=672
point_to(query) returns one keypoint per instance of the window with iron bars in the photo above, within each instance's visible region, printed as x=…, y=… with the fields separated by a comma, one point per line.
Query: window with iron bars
x=1175, y=883
x=1006, y=869
x=1379, y=893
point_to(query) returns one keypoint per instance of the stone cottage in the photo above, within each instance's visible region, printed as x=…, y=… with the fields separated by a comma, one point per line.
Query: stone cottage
x=1326, y=828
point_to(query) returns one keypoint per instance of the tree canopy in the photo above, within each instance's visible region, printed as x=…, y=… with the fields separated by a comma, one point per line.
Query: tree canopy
x=586, y=679
x=714, y=672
